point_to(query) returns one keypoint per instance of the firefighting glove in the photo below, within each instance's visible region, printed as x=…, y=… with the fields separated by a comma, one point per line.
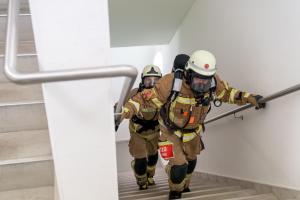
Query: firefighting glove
x=115, y=107
x=125, y=115
x=116, y=125
x=254, y=100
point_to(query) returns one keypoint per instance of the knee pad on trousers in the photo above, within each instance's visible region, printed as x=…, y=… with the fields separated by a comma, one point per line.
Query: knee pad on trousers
x=191, y=166
x=152, y=160
x=178, y=173
x=140, y=166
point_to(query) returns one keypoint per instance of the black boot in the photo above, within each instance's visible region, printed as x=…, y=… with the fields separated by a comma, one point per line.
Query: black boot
x=174, y=195
x=150, y=180
x=187, y=189
x=143, y=187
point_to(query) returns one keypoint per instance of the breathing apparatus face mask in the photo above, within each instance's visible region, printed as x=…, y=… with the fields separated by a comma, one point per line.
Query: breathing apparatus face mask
x=199, y=84
x=150, y=81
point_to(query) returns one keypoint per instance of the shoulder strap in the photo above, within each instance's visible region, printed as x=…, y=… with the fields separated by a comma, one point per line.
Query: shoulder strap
x=176, y=85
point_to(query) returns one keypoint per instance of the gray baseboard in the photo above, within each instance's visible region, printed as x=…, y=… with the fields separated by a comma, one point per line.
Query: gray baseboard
x=280, y=192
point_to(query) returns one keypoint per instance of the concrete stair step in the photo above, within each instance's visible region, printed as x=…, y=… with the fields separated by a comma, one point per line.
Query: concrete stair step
x=22, y=116
x=201, y=189
x=198, y=191
x=24, y=47
x=40, y=193
x=24, y=144
x=24, y=6
x=257, y=197
x=24, y=26
x=219, y=196
x=159, y=179
x=26, y=173
x=206, y=196
x=166, y=188
x=10, y=92
x=164, y=185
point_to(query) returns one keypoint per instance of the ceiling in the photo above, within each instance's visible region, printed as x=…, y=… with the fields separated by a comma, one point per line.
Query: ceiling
x=145, y=22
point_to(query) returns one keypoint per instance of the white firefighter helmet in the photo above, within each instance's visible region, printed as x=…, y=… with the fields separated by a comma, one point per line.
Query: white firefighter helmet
x=151, y=70
x=202, y=62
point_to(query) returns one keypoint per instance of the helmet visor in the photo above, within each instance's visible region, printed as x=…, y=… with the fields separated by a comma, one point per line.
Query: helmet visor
x=150, y=81
x=200, y=85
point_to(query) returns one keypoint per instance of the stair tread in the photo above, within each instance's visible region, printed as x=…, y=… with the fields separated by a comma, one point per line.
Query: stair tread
x=201, y=189
x=198, y=191
x=23, y=117
x=24, y=47
x=24, y=6
x=24, y=144
x=24, y=26
x=195, y=195
x=11, y=92
x=164, y=183
x=40, y=193
x=268, y=196
x=166, y=188
x=223, y=195
x=27, y=160
x=27, y=173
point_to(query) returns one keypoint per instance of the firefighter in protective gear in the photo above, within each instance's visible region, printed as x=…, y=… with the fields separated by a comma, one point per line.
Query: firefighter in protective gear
x=182, y=116
x=144, y=132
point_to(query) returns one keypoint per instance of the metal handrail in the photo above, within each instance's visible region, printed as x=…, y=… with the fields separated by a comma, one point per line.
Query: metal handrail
x=264, y=100
x=23, y=55
x=21, y=15
x=12, y=74
x=22, y=103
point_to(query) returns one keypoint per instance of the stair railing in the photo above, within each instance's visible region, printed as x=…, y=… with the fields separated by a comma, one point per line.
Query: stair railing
x=263, y=100
x=10, y=68
x=127, y=71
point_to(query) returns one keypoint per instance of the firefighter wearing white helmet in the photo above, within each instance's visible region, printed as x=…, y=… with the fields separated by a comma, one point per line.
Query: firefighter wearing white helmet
x=202, y=62
x=182, y=112
x=150, y=76
x=144, y=132
x=200, y=70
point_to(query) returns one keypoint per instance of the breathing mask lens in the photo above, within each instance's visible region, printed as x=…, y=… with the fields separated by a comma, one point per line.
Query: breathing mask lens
x=150, y=81
x=200, y=85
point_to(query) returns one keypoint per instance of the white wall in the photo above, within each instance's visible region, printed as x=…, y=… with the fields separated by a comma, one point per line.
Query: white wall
x=143, y=22
x=257, y=45
x=75, y=34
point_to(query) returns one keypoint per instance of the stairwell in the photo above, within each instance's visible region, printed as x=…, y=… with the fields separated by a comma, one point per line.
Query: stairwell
x=26, y=167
